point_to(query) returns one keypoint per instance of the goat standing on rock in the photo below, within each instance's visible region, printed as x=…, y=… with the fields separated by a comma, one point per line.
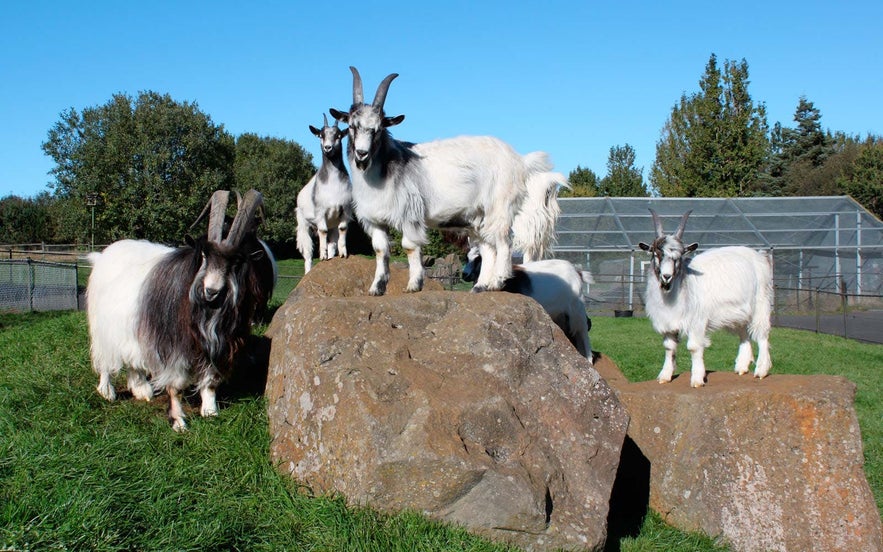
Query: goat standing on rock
x=178, y=315
x=724, y=288
x=479, y=185
x=557, y=286
x=325, y=203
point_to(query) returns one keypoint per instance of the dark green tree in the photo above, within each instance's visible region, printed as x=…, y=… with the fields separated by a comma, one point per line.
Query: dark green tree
x=864, y=182
x=583, y=183
x=799, y=155
x=25, y=220
x=153, y=163
x=715, y=142
x=623, y=178
x=278, y=169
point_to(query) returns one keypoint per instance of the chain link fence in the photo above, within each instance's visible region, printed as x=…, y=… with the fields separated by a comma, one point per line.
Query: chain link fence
x=29, y=285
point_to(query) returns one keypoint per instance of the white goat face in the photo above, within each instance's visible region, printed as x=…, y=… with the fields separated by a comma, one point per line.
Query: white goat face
x=367, y=122
x=330, y=137
x=668, y=253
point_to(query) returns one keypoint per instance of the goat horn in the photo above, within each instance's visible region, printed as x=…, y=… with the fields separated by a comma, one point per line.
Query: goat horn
x=218, y=205
x=680, y=232
x=657, y=223
x=357, y=86
x=380, y=97
x=325, y=119
x=244, y=220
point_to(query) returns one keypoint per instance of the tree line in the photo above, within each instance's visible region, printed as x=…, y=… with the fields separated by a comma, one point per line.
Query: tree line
x=717, y=143
x=143, y=167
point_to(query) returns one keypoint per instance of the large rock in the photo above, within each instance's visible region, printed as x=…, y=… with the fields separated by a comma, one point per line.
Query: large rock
x=769, y=465
x=472, y=408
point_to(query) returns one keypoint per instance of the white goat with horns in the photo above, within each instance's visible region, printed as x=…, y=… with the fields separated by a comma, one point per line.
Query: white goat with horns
x=724, y=288
x=479, y=185
x=325, y=203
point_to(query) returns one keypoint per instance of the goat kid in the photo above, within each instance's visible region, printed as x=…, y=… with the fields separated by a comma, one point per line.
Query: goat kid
x=724, y=288
x=177, y=316
x=474, y=184
x=325, y=203
x=557, y=286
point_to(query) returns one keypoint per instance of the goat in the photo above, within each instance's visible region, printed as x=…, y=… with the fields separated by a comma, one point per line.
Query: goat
x=178, y=315
x=724, y=288
x=325, y=203
x=557, y=286
x=476, y=184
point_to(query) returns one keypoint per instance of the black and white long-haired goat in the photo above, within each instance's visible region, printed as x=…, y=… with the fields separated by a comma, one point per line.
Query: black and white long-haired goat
x=724, y=288
x=556, y=285
x=476, y=184
x=325, y=203
x=178, y=316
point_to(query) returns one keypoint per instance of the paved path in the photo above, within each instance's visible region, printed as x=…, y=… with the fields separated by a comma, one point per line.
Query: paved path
x=859, y=325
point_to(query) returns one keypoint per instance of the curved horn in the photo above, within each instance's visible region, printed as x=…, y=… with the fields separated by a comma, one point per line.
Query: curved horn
x=218, y=206
x=657, y=223
x=680, y=231
x=244, y=220
x=357, y=86
x=380, y=97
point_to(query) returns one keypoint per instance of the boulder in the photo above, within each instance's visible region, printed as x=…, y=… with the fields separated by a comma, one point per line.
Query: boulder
x=772, y=464
x=471, y=408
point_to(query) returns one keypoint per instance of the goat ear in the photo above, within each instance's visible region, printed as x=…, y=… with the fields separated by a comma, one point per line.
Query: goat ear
x=315, y=131
x=392, y=121
x=690, y=248
x=340, y=115
x=644, y=246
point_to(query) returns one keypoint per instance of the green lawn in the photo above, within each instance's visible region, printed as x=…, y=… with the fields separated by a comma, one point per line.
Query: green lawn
x=77, y=472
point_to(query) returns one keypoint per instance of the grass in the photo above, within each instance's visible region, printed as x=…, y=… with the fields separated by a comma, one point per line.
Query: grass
x=77, y=472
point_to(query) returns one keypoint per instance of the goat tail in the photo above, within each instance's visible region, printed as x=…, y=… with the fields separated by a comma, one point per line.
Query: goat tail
x=533, y=229
x=760, y=321
x=303, y=239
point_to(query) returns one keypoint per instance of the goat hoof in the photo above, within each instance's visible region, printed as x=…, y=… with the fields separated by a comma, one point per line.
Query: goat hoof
x=179, y=426
x=478, y=289
x=697, y=384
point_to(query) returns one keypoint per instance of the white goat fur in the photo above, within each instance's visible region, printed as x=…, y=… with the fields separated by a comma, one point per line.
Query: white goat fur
x=115, y=284
x=473, y=184
x=325, y=203
x=557, y=286
x=725, y=288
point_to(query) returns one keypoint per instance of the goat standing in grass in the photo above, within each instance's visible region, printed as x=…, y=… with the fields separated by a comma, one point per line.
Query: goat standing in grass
x=474, y=184
x=178, y=315
x=724, y=288
x=325, y=203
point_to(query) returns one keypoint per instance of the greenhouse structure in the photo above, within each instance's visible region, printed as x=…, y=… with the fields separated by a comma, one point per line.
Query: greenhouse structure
x=817, y=245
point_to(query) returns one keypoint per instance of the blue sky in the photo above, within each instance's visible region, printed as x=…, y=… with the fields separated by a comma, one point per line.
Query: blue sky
x=569, y=78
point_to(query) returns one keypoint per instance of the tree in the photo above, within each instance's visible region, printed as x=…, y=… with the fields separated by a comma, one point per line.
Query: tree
x=715, y=142
x=865, y=183
x=623, y=178
x=25, y=220
x=799, y=155
x=152, y=161
x=278, y=169
x=583, y=183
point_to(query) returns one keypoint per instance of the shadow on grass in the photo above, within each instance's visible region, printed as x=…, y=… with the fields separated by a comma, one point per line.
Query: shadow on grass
x=630, y=496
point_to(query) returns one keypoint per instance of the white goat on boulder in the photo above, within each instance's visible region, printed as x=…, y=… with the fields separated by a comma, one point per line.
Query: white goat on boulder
x=556, y=285
x=325, y=203
x=474, y=184
x=724, y=288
